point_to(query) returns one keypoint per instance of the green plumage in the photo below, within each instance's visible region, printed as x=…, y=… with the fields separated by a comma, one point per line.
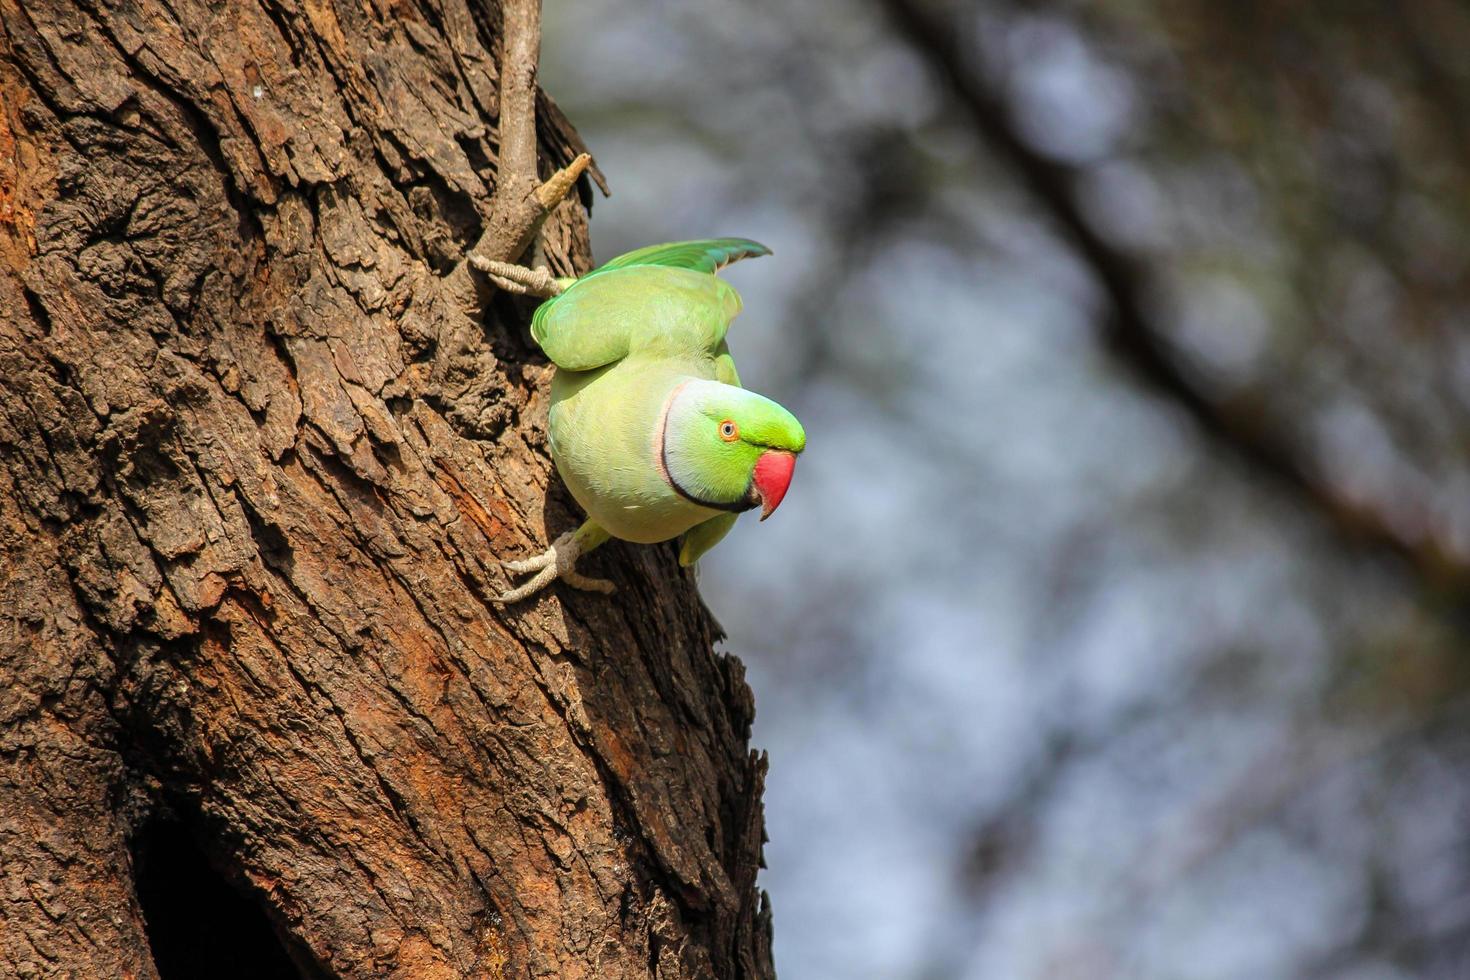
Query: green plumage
x=710, y=255
x=647, y=395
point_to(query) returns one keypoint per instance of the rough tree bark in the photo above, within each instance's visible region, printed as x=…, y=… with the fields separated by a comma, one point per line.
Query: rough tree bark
x=264, y=439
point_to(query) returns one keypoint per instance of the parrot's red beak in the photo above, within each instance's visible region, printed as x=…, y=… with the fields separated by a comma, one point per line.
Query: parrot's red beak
x=772, y=476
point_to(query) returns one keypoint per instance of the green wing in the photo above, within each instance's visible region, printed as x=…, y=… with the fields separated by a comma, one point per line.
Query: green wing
x=725, y=372
x=664, y=299
x=702, y=537
x=707, y=255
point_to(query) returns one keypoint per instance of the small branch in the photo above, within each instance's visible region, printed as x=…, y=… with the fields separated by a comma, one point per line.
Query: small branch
x=560, y=184
x=520, y=44
x=1130, y=335
x=521, y=202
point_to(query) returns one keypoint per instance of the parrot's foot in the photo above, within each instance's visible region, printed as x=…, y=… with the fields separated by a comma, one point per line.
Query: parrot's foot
x=558, y=562
x=517, y=278
x=588, y=584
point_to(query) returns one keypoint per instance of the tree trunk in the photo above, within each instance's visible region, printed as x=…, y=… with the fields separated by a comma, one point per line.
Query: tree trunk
x=263, y=444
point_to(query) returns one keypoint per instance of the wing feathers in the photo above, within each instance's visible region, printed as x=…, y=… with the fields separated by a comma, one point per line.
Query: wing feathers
x=651, y=299
x=706, y=255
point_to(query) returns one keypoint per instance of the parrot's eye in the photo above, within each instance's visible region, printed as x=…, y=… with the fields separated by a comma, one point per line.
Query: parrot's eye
x=729, y=431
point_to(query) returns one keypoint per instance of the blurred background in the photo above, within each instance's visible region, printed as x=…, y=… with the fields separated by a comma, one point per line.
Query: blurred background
x=1116, y=625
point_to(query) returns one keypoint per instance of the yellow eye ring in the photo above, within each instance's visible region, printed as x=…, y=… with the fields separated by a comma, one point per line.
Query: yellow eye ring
x=729, y=431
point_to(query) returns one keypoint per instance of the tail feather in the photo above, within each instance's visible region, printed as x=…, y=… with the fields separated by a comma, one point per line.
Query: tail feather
x=706, y=255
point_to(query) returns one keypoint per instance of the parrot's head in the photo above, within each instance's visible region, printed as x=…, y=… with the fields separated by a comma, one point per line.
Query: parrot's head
x=728, y=448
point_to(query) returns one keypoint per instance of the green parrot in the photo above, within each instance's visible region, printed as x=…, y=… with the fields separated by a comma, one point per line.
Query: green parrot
x=649, y=426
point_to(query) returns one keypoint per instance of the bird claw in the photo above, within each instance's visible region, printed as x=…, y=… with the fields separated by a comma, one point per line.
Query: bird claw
x=517, y=278
x=533, y=564
x=527, y=589
x=556, y=562
x=579, y=581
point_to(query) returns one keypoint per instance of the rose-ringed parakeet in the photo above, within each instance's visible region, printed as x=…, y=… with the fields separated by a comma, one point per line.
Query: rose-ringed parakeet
x=649, y=426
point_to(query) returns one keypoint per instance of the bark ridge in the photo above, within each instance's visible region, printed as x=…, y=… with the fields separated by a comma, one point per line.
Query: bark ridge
x=259, y=469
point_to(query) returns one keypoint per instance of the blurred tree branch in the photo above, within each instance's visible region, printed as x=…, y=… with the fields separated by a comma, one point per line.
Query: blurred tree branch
x=1239, y=423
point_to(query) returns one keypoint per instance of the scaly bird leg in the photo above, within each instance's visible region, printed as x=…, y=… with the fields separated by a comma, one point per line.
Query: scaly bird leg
x=558, y=562
x=520, y=280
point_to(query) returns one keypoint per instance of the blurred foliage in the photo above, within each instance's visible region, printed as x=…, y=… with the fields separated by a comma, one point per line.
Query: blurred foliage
x=1057, y=682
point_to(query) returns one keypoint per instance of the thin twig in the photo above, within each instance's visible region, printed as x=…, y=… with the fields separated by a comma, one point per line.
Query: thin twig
x=521, y=202
x=520, y=42
x=559, y=184
x=1130, y=335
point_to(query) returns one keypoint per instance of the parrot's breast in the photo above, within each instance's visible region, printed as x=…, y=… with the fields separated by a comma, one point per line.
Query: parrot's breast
x=604, y=438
